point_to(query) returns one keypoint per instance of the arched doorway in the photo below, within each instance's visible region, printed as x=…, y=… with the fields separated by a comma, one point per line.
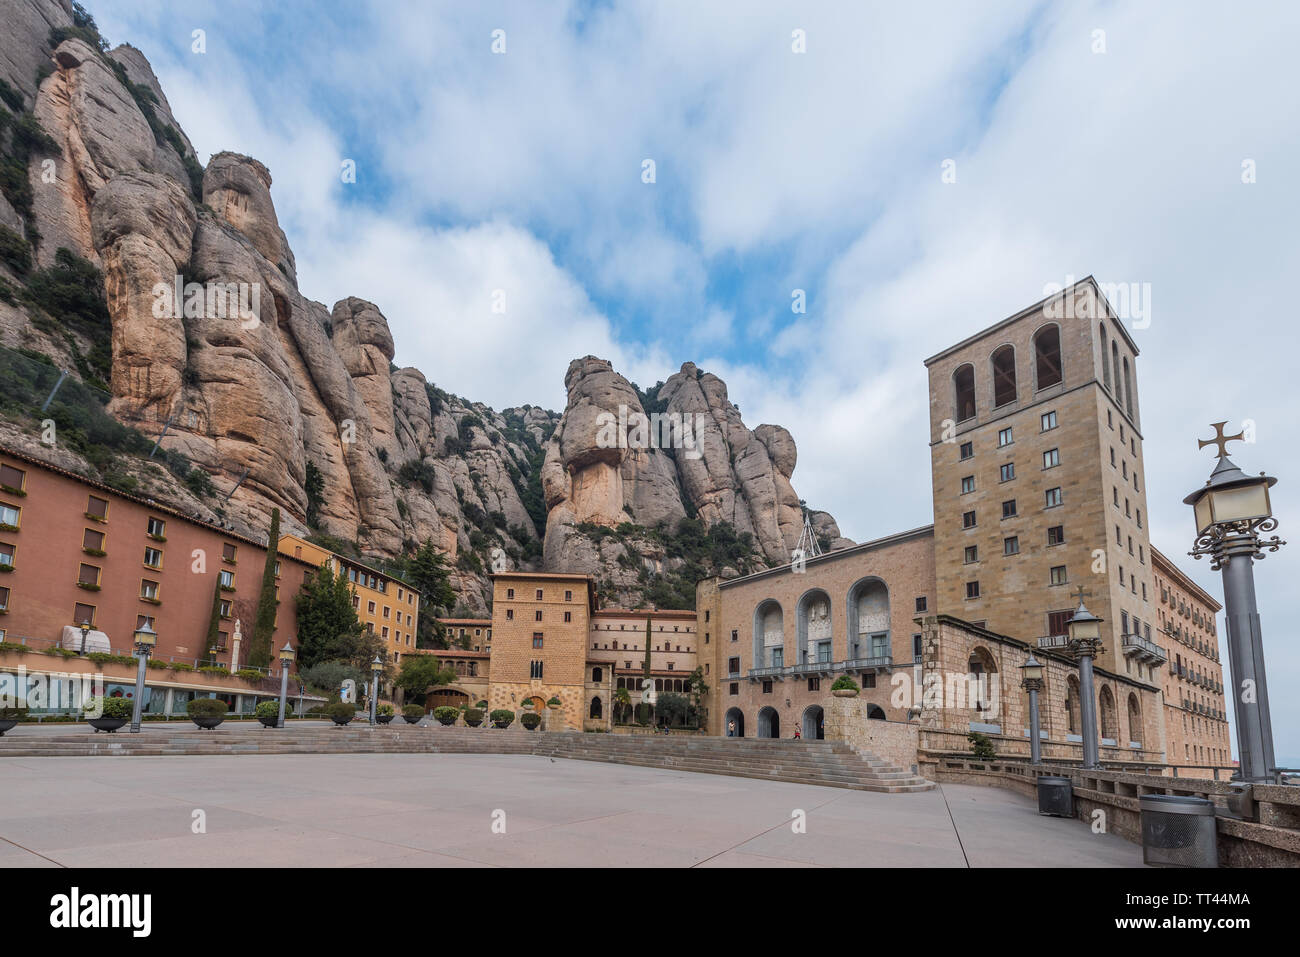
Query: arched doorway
x=597, y=709
x=875, y=712
x=769, y=723
x=814, y=719
x=451, y=697
x=735, y=721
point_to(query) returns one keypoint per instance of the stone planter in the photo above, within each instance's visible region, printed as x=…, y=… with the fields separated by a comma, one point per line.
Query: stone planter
x=845, y=693
x=208, y=723
x=269, y=722
x=340, y=719
x=6, y=724
x=105, y=724
x=410, y=720
x=384, y=718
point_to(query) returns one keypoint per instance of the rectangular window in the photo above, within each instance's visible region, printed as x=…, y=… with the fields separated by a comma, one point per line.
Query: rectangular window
x=1007, y=472
x=387, y=611
x=370, y=607
x=1051, y=458
x=153, y=557
x=537, y=639
x=735, y=633
x=227, y=578
x=228, y=552
x=97, y=507
x=1004, y=437
x=535, y=670
x=814, y=684
x=1011, y=546
x=6, y=555
x=1057, y=575
x=384, y=631
x=88, y=575
x=869, y=681
x=1048, y=421
x=12, y=479
x=967, y=450
x=767, y=687
x=510, y=614
x=972, y=589
x=1058, y=622
x=1009, y=508
x=916, y=648
x=92, y=540
x=4, y=599
x=568, y=595
x=733, y=666
x=1053, y=497
x=148, y=589
x=968, y=484
x=83, y=614
x=971, y=554
x=568, y=616
x=537, y=615
x=733, y=688
x=157, y=528
x=510, y=593
x=9, y=516
x=921, y=603
x=967, y=519
x=1056, y=535
x=539, y=594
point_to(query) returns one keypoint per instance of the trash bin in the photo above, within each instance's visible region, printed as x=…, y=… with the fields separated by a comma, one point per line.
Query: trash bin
x=1055, y=796
x=1178, y=831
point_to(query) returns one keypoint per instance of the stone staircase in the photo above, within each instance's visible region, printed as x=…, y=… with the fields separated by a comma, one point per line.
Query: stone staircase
x=824, y=763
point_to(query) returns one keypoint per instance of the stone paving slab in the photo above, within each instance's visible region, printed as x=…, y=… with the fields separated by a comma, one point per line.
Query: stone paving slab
x=437, y=810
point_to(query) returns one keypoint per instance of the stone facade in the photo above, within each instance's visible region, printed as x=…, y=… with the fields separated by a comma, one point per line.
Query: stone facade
x=1196, y=719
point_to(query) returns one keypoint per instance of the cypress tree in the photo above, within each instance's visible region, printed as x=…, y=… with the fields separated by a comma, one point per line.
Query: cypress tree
x=214, y=623
x=259, y=648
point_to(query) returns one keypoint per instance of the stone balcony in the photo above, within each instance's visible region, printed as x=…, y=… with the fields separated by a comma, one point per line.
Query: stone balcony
x=814, y=668
x=1144, y=650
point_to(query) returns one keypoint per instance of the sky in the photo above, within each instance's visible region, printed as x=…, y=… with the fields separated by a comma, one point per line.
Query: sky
x=920, y=171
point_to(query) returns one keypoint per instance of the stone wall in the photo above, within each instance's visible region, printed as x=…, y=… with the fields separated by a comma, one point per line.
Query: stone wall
x=892, y=741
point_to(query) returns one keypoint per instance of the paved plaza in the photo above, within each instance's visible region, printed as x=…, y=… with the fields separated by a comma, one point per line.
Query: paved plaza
x=438, y=810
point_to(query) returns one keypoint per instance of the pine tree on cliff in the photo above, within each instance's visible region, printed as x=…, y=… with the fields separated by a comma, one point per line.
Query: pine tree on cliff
x=259, y=647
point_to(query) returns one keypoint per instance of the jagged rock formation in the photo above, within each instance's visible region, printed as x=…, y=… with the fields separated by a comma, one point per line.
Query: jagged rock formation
x=257, y=385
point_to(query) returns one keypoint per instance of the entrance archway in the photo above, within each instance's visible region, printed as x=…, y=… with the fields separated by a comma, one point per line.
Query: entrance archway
x=814, y=723
x=875, y=712
x=738, y=716
x=769, y=723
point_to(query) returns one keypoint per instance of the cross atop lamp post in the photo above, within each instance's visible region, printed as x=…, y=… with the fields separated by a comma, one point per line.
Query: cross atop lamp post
x=1231, y=510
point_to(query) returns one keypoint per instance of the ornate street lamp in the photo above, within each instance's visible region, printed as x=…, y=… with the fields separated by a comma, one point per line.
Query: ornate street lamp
x=286, y=659
x=1085, y=642
x=85, y=630
x=145, y=641
x=1032, y=670
x=1231, y=510
x=376, y=667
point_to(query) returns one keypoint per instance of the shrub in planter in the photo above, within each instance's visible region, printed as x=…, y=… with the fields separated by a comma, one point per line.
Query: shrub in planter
x=446, y=714
x=473, y=717
x=10, y=717
x=482, y=705
x=249, y=674
x=113, y=713
x=268, y=713
x=341, y=712
x=384, y=713
x=207, y=713
x=844, y=687
x=554, y=703
x=412, y=713
x=530, y=720
x=502, y=718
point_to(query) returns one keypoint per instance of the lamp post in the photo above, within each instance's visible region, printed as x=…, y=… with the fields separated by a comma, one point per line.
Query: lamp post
x=1032, y=670
x=145, y=640
x=1231, y=509
x=85, y=630
x=376, y=667
x=286, y=659
x=1085, y=642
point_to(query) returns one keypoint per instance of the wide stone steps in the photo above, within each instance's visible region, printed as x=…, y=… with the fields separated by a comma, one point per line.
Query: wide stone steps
x=825, y=763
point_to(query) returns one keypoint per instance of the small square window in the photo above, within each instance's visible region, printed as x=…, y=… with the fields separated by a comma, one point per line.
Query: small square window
x=1051, y=458
x=971, y=554
x=968, y=484
x=1007, y=472
x=1056, y=535
x=82, y=613
x=1004, y=437
x=972, y=589
x=1058, y=576
x=967, y=519
x=967, y=450
x=1052, y=497
x=921, y=603
x=1009, y=508
x=1048, y=421
x=97, y=507
x=1011, y=546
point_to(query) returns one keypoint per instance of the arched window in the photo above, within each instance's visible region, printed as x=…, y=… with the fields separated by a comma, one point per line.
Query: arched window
x=981, y=674
x=597, y=675
x=1134, y=720
x=813, y=627
x=1109, y=720
x=1004, y=376
x=1073, y=720
x=1047, y=356
x=1105, y=359
x=769, y=635
x=963, y=382
x=1114, y=361
x=868, y=620
x=597, y=709
x=1128, y=390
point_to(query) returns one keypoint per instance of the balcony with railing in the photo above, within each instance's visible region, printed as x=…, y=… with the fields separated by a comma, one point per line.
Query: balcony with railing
x=1144, y=649
x=821, y=667
x=1054, y=642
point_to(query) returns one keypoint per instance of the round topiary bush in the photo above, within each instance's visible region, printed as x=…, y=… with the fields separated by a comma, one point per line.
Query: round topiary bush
x=412, y=713
x=341, y=712
x=446, y=714
x=267, y=713
x=473, y=717
x=113, y=709
x=530, y=720
x=502, y=718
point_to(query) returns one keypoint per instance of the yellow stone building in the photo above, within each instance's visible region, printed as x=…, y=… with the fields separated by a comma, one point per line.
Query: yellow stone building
x=387, y=606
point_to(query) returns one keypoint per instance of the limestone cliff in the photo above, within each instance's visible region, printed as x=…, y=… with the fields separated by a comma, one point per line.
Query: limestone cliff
x=208, y=342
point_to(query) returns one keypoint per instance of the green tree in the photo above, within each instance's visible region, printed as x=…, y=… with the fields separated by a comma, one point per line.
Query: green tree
x=314, y=486
x=214, y=621
x=429, y=573
x=326, y=618
x=622, y=703
x=672, y=708
x=419, y=672
x=259, y=646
